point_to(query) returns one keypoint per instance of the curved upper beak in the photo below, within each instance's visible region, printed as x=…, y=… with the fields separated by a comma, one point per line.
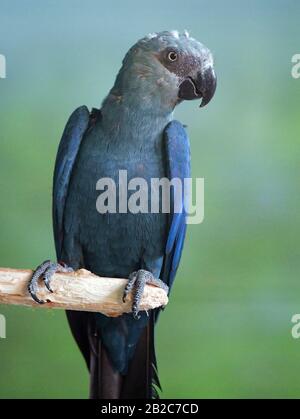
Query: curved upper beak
x=203, y=86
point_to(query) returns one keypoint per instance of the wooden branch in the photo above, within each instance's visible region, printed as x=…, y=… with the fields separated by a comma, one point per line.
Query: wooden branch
x=80, y=290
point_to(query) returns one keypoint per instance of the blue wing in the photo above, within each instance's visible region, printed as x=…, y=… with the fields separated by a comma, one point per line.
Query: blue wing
x=178, y=166
x=65, y=159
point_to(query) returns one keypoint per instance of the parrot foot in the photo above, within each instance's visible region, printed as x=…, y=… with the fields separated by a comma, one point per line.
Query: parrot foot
x=45, y=271
x=137, y=281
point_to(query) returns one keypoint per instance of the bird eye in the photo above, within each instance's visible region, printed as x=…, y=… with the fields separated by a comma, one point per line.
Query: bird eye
x=172, y=56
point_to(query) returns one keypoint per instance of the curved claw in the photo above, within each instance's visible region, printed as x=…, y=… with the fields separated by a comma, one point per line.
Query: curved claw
x=32, y=290
x=33, y=284
x=135, y=312
x=129, y=285
x=45, y=271
x=47, y=280
x=49, y=272
x=137, y=281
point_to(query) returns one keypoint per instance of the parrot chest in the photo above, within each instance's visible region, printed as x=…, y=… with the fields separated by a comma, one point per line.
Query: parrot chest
x=128, y=235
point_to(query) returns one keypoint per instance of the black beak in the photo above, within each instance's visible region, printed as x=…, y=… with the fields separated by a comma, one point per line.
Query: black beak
x=203, y=87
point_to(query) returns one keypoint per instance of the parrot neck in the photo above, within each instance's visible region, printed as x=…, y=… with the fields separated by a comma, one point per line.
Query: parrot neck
x=123, y=119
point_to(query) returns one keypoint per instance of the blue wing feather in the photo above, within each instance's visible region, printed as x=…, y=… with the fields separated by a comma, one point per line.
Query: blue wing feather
x=178, y=166
x=65, y=159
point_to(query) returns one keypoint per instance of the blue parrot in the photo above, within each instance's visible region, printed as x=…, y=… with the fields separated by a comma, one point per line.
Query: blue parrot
x=133, y=131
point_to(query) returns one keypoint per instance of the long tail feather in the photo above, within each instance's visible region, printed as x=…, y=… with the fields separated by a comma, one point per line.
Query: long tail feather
x=141, y=380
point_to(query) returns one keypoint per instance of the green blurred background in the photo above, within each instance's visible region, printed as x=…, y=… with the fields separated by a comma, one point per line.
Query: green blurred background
x=227, y=330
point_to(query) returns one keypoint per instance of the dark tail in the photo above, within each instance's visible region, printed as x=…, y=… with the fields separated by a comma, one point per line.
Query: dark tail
x=141, y=379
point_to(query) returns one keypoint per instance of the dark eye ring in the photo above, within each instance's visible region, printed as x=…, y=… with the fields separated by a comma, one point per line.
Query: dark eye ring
x=172, y=56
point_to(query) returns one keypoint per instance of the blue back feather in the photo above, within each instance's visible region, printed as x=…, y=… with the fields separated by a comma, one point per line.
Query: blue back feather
x=65, y=159
x=178, y=161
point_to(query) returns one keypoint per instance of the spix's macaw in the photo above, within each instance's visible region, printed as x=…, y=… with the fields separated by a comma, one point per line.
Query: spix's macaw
x=133, y=131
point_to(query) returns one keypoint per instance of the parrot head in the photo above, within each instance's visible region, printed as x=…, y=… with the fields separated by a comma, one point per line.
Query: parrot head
x=165, y=68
